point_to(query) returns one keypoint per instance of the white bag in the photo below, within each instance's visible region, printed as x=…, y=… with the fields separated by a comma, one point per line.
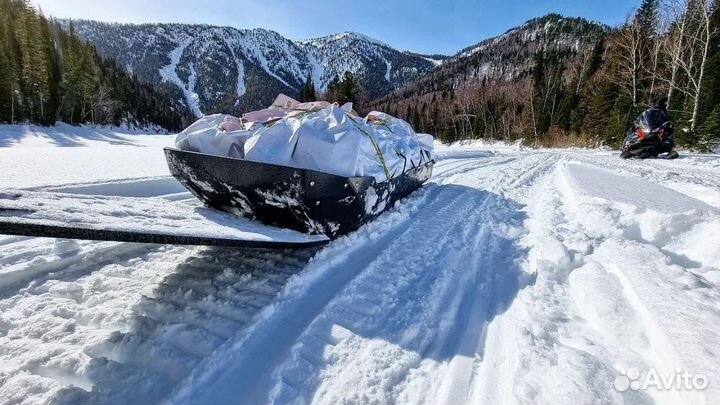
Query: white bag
x=316, y=136
x=327, y=141
x=207, y=136
x=274, y=144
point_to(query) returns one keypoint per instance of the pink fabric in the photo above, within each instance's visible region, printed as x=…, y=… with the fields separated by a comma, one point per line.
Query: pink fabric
x=231, y=124
x=265, y=115
x=283, y=107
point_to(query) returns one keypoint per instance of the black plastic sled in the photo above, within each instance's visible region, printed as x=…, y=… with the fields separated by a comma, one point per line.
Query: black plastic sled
x=304, y=200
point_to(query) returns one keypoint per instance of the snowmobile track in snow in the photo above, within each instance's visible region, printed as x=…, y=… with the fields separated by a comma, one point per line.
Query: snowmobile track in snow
x=438, y=235
x=496, y=283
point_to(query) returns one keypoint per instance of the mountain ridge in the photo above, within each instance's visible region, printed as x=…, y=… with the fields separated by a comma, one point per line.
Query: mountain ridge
x=225, y=69
x=212, y=68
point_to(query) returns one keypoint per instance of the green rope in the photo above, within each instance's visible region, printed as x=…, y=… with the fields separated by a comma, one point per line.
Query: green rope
x=383, y=123
x=375, y=145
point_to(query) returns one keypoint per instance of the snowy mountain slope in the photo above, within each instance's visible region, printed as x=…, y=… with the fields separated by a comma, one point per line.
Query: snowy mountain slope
x=224, y=69
x=513, y=277
x=507, y=57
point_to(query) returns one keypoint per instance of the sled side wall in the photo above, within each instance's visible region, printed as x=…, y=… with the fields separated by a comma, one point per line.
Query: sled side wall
x=304, y=200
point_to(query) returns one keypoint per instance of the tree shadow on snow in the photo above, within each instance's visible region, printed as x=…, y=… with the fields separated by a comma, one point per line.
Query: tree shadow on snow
x=63, y=135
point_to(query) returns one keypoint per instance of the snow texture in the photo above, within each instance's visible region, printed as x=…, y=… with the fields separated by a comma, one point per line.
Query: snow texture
x=33, y=156
x=515, y=277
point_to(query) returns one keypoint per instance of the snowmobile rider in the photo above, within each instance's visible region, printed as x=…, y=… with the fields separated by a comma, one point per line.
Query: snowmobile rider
x=659, y=118
x=659, y=114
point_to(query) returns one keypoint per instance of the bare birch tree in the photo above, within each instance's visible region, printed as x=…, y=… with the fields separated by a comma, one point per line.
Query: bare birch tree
x=695, y=40
x=675, y=21
x=629, y=43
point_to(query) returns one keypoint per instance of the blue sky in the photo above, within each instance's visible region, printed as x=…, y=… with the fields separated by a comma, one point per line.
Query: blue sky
x=427, y=26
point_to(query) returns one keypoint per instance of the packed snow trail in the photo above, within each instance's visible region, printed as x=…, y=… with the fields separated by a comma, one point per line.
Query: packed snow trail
x=514, y=277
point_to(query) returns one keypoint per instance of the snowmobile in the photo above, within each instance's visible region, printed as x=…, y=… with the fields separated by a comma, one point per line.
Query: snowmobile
x=250, y=204
x=650, y=137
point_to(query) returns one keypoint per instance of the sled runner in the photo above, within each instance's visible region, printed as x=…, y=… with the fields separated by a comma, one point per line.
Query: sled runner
x=142, y=220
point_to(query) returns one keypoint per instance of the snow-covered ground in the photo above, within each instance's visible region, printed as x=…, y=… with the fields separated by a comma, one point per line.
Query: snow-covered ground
x=33, y=156
x=515, y=277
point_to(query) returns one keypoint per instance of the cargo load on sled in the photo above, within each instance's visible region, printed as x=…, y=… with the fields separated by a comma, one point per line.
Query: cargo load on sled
x=293, y=175
x=314, y=167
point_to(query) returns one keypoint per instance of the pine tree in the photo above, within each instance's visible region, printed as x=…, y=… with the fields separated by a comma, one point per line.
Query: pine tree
x=307, y=92
x=51, y=58
x=48, y=73
x=348, y=89
x=596, y=58
x=647, y=17
x=6, y=70
x=311, y=91
x=333, y=89
x=709, y=131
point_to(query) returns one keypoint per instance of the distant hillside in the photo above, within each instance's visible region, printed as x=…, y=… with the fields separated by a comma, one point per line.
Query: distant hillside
x=563, y=81
x=505, y=58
